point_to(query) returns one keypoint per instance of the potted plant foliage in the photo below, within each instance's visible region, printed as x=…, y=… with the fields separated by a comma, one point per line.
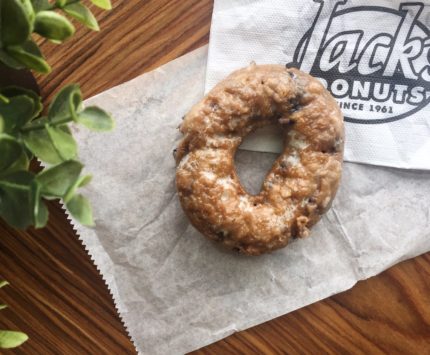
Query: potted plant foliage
x=30, y=131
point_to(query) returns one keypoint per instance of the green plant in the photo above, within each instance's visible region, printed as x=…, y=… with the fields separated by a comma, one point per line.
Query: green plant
x=10, y=338
x=27, y=131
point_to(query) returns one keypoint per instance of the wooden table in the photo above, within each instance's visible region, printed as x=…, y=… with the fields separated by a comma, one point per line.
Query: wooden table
x=57, y=295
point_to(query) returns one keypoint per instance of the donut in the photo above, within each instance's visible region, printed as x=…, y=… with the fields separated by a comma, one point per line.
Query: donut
x=303, y=180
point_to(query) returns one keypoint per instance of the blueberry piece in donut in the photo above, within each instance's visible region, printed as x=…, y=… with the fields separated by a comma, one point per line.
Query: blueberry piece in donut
x=302, y=182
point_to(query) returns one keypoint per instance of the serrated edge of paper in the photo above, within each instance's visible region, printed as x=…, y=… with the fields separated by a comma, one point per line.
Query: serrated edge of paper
x=76, y=226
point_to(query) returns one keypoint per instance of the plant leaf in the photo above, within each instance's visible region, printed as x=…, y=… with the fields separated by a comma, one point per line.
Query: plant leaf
x=11, y=339
x=40, y=5
x=80, y=209
x=9, y=61
x=66, y=103
x=65, y=128
x=13, y=91
x=3, y=306
x=51, y=144
x=10, y=150
x=16, y=113
x=96, y=119
x=29, y=54
x=19, y=179
x=82, y=181
x=82, y=14
x=15, y=22
x=57, y=180
x=3, y=283
x=15, y=200
x=42, y=217
x=28, y=8
x=39, y=143
x=35, y=124
x=52, y=25
x=29, y=155
x=22, y=163
x=60, y=3
x=103, y=4
x=4, y=99
x=63, y=142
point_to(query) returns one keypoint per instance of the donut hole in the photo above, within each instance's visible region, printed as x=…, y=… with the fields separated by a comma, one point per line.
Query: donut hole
x=252, y=167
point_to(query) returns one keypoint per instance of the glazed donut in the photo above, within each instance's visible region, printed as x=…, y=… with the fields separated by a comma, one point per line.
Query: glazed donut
x=303, y=180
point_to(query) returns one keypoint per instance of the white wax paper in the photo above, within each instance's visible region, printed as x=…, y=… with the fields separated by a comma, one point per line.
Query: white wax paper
x=177, y=291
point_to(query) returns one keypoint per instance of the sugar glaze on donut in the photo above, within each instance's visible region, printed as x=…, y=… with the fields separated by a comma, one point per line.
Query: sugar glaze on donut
x=303, y=180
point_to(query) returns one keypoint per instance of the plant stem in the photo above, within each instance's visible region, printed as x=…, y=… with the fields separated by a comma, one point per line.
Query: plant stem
x=41, y=125
x=4, y=99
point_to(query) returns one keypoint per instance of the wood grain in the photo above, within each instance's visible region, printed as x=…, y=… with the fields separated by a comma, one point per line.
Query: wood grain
x=57, y=295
